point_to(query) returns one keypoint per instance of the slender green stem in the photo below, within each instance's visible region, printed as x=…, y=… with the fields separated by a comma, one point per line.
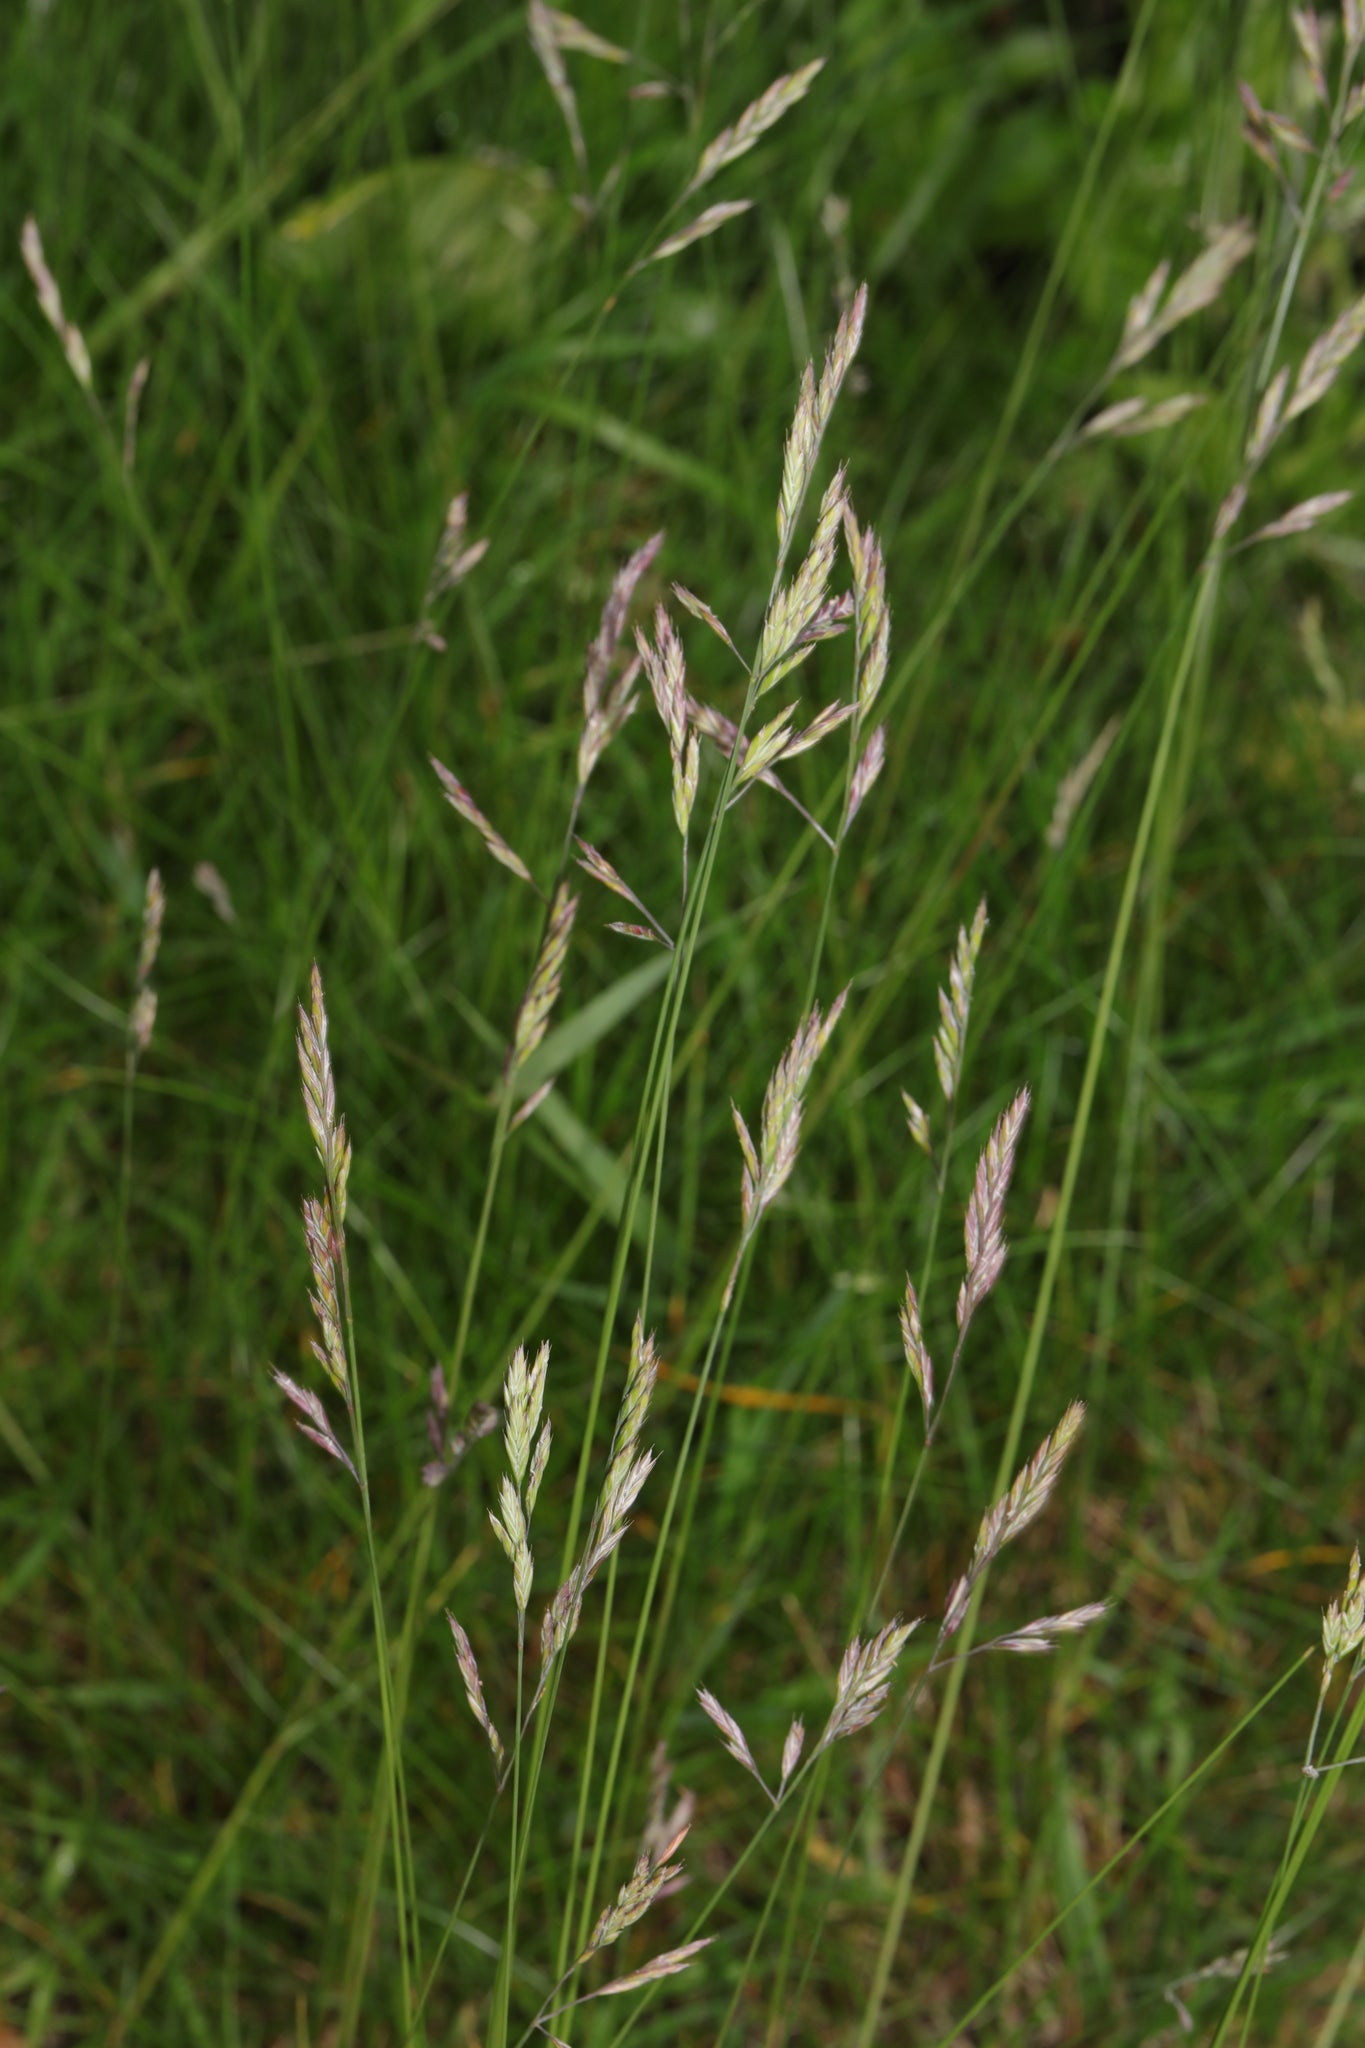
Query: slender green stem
x=748, y=1973
x=903, y=1392
x=409, y=1952
x=502, y=1989
x=99, y=1510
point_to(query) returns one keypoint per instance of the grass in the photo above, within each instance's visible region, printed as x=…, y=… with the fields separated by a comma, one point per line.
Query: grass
x=306, y=229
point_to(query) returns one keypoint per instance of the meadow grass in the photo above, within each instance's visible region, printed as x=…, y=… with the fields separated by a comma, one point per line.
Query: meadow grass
x=242, y=618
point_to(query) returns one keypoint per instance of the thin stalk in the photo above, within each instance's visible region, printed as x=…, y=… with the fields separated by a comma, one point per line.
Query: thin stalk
x=903, y=1396
x=749, y=1971
x=589, y=1753
x=502, y=1987
x=805, y=1821
x=99, y=1514
x=408, y=1940
x=449, y=1928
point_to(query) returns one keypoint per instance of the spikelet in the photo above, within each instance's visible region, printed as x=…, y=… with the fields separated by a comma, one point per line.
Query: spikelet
x=325, y=1302
x=1325, y=360
x=628, y=1467
x=705, y=223
x=701, y=610
x=1153, y=314
x=473, y=1692
x=1268, y=421
x=670, y=1964
x=600, y=868
x=1012, y=1514
x=983, y=1231
x=314, y=1425
x=210, y=883
x=866, y=769
x=50, y=302
x=153, y=915
x=864, y=1682
x=460, y=801
x=1343, y=1622
x=761, y=115
x=955, y=1005
x=319, y=1101
x=791, y=626
x=142, y=1018
x=917, y=1357
x=917, y=1122
x=527, y=1443
x=1301, y=518
x=648, y=1879
x=540, y=22
x=605, y=710
x=814, y=405
x=873, y=618
x=1075, y=785
x=791, y=1754
x=768, y=1167
x=1131, y=416
x=1036, y=1638
x=453, y=562
x=731, y=1734
x=533, y=1017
